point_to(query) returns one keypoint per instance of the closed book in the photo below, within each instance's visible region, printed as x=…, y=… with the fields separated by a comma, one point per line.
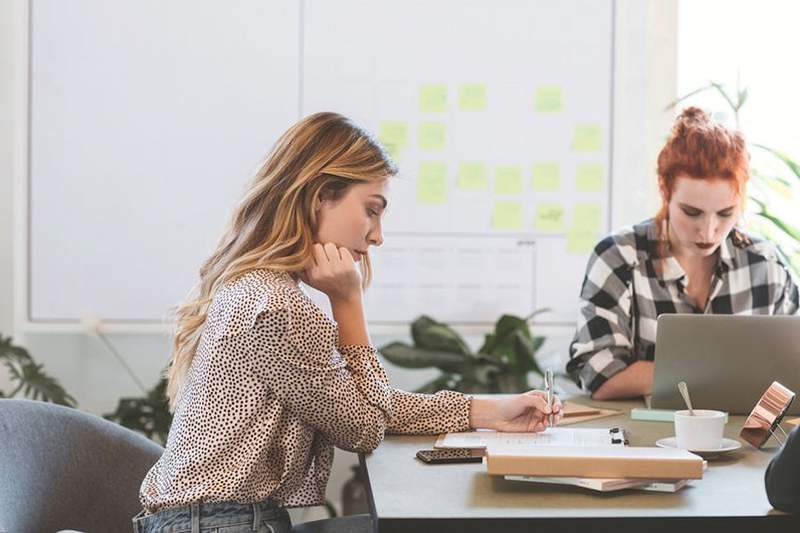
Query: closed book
x=608, y=484
x=605, y=462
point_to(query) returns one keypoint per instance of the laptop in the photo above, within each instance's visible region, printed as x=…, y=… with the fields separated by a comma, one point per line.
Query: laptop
x=727, y=361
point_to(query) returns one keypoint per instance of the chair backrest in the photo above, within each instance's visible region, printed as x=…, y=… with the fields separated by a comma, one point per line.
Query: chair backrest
x=61, y=468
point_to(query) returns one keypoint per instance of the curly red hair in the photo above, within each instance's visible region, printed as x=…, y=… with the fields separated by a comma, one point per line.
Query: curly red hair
x=700, y=148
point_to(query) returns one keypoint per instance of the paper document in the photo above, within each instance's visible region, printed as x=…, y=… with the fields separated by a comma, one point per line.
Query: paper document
x=571, y=437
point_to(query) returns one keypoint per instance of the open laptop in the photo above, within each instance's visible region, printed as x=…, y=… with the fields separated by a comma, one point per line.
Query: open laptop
x=727, y=361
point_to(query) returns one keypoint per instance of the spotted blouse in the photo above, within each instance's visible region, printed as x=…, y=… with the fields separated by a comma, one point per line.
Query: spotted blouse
x=270, y=393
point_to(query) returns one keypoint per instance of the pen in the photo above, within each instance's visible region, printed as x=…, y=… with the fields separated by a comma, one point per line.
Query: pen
x=548, y=385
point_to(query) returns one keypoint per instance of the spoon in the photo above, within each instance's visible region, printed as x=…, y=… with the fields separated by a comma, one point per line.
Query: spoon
x=685, y=393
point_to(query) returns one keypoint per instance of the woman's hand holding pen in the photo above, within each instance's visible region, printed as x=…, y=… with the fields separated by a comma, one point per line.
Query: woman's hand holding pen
x=527, y=412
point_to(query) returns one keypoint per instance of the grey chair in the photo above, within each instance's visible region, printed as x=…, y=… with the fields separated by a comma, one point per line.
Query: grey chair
x=61, y=468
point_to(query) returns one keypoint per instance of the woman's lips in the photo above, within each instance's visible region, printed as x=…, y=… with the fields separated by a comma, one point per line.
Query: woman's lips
x=704, y=245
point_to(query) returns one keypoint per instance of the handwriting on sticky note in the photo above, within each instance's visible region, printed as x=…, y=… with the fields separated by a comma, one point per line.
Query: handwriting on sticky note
x=507, y=216
x=433, y=98
x=588, y=138
x=432, y=182
x=508, y=180
x=472, y=97
x=549, y=218
x=549, y=99
x=546, y=177
x=586, y=217
x=432, y=135
x=589, y=177
x=472, y=176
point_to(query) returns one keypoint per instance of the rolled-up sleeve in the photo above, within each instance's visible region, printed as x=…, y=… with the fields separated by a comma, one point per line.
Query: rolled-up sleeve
x=602, y=345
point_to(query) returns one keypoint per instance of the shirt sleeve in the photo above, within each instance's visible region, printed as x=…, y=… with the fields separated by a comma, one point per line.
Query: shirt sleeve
x=782, y=478
x=602, y=345
x=789, y=300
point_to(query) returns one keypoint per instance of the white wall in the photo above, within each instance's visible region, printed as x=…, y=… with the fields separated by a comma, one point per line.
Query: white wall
x=645, y=82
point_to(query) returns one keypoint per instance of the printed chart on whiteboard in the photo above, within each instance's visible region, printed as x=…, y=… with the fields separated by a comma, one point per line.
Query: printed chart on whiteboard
x=501, y=132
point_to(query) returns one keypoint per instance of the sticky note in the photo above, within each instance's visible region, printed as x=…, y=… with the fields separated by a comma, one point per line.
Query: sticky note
x=549, y=218
x=508, y=180
x=472, y=176
x=393, y=135
x=580, y=241
x=472, y=97
x=586, y=217
x=431, y=136
x=549, y=99
x=507, y=216
x=589, y=177
x=546, y=177
x=433, y=98
x=432, y=182
x=588, y=138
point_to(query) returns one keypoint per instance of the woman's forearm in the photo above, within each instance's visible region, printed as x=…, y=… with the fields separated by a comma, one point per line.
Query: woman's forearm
x=636, y=380
x=349, y=315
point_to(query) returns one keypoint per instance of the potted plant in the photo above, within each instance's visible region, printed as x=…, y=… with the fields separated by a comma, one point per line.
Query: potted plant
x=501, y=365
x=31, y=380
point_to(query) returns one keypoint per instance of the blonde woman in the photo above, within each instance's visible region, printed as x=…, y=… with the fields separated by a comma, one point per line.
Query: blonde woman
x=263, y=384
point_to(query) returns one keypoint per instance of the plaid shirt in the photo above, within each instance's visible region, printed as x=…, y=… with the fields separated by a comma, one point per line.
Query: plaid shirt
x=623, y=294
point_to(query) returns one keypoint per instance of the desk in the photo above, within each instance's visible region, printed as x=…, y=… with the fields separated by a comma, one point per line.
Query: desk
x=408, y=495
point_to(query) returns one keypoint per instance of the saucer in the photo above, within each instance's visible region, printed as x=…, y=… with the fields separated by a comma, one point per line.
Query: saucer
x=727, y=445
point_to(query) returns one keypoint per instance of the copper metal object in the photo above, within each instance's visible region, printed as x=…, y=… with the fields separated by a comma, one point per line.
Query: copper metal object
x=767, y=415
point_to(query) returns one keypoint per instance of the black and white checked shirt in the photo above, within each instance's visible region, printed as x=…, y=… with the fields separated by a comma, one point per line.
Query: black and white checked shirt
x=623, y=294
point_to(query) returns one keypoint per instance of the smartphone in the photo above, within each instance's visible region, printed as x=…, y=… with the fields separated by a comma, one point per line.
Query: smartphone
x=450, y=456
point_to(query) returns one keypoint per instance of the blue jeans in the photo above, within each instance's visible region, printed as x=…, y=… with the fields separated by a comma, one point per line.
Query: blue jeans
x=218, y=517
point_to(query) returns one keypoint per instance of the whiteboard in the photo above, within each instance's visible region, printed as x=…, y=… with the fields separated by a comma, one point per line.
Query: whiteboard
x=141, y=142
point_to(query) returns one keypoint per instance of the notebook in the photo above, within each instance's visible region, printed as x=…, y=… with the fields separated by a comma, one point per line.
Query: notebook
x=551, y=437
x=594, y=462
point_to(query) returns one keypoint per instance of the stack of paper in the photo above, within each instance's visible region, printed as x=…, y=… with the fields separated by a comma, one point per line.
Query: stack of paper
x=608, y=484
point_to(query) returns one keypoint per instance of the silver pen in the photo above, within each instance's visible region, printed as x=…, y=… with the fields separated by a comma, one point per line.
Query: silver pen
x=548, y=385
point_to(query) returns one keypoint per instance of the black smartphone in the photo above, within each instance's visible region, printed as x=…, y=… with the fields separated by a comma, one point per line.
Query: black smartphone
x=450, y=456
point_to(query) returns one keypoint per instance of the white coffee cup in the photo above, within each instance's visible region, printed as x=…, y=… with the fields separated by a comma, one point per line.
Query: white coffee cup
x=701, y=431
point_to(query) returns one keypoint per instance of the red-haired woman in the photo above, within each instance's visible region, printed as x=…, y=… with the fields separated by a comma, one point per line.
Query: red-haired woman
x=690, y=258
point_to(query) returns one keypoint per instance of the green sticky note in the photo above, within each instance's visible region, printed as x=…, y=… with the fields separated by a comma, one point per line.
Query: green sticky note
x=549, y=218
x=586, y=217
x=507, y=216
x=433, y=98
x=432, y=182
x=589, y=178
x=394, y=135
x=549, y=99
x=588, y=138
x=580, y=241
x=432, y=135
x=508, y=180
x=546, y=177
x=472, y=176
x=472, y=97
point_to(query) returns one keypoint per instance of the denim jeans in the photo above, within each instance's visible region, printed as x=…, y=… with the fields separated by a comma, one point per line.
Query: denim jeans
x=218, y=517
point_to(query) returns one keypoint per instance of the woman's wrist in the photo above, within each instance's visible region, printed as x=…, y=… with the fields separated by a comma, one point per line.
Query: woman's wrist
x=482, y=413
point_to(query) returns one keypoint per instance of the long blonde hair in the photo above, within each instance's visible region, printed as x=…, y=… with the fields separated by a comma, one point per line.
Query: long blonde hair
x=273, y=225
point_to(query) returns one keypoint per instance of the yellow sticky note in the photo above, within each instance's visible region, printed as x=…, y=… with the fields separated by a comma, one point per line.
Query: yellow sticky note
x=546, y=177
x=472, y=97
x=508, y=180
x=580, y=241
x=549, y=218
x=432, y=135
x=507, y=216
x=393, y=135
x=589, y=178
x=588, y=138
x=586, y=217
x=472, y=176
x=432, y=182
x=433, y=98
x=549, y=99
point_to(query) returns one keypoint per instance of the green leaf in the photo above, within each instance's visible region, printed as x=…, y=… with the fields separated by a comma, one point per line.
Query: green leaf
x=443, y=382
x=431, y=335
x=38, y=385
x=783, y=157
x=403, y=355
